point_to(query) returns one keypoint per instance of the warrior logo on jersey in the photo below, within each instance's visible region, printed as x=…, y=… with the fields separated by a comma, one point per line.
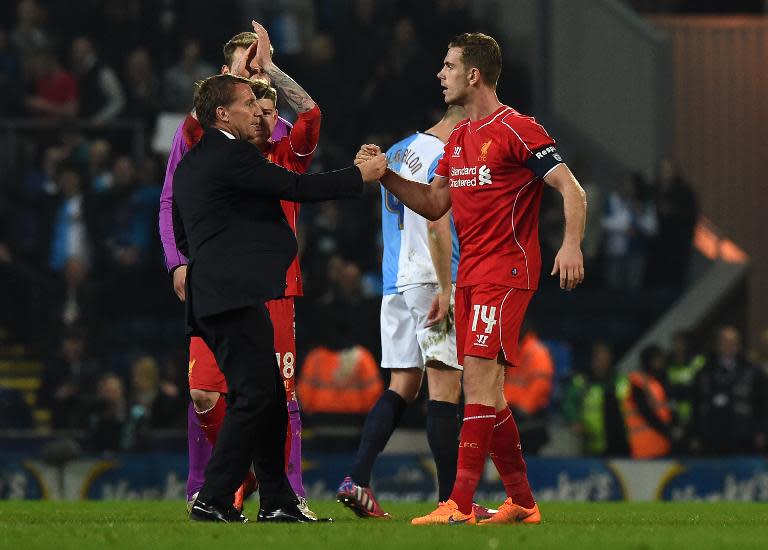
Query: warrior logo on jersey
x=457, y=151
x=484, y=151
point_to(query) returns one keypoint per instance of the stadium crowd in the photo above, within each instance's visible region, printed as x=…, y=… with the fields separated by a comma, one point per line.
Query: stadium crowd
x=82, y=88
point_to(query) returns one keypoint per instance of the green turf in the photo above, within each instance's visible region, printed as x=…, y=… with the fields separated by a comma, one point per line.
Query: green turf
x=140, y=525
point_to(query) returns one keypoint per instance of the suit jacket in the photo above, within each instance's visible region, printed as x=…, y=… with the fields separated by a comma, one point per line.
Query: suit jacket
x=229, y=223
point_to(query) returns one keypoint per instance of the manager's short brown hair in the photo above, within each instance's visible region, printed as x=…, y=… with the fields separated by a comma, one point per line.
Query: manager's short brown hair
x=480, y=51
x=240, y=40
x=213, y=92
x=263, y=90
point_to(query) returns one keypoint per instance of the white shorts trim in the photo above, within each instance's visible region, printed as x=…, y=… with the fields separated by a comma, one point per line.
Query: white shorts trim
x=405, y=341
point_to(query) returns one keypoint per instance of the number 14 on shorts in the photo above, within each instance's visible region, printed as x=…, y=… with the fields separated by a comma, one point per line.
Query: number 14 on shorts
x=487, y=315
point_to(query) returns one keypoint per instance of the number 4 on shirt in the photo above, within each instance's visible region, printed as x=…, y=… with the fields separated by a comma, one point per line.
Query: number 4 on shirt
x=394, y=205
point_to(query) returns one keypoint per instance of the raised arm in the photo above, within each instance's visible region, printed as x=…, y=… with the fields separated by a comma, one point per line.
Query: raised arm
x=295, y=95
x=569, y=262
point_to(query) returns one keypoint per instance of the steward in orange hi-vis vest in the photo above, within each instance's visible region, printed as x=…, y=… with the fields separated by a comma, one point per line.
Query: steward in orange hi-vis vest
x=645, y=438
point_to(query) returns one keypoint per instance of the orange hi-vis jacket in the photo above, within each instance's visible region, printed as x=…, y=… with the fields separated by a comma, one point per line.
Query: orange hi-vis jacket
x=528, y=386
x=645, y=441
x=334, y=382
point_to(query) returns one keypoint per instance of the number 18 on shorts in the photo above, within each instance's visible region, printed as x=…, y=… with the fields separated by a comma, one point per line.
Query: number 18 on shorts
x=488, y=321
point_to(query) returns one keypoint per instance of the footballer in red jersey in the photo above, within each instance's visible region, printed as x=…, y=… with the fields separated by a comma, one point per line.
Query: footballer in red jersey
x=492, y=173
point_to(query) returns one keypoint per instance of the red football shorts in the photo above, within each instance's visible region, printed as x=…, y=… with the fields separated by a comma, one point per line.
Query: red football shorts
x=283, y=316
x=488, y=321
x=204, y=373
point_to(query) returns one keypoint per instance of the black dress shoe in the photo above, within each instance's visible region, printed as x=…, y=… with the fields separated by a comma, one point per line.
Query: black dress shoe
x=211, y=512
x=285, y=512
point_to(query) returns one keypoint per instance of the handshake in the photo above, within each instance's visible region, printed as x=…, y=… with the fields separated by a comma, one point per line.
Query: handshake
x=371, y=162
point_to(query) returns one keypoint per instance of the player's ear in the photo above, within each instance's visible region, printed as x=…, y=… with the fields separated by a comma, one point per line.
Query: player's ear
x=474, y=75
x=225, y=69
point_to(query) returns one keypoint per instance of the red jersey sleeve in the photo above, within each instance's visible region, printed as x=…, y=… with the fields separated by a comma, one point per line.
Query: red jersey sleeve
x=295, y=151
x=530, y=143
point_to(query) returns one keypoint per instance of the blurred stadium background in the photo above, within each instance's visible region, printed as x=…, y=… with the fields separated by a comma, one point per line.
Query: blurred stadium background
x=659, y=107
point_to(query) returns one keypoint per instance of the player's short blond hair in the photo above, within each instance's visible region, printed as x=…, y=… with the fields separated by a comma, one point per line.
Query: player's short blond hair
x=482, y=52
x=240, y=40
x=213, y=92
x=262, y=90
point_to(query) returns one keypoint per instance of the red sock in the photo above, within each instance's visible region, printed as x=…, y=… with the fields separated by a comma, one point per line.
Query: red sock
x=507, y=455
x=474, y=442
x=211, y=420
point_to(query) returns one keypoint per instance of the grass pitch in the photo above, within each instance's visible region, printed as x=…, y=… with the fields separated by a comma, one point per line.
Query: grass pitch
x=26, y=525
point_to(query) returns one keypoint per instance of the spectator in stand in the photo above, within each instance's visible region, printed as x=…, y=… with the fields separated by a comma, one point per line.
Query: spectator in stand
x=108, y=415
x=646, y=410
x=180, y=78
x=127, y=209
x=70, y=231
x=36, y=206
x=100, y=165
x=101, y=95
x=629, y=222
x=55, y=88
x=142, y=88
x=592, y=406
x=29, y=34
x=126, y=229
x=684, y=365
x=76, y=300
x=157, y=402
x=67, y=380
x=678, y=210
x=528, y=391
x=730, y=401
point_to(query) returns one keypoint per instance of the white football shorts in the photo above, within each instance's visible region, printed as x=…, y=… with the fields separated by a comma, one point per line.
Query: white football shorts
x=405, y=341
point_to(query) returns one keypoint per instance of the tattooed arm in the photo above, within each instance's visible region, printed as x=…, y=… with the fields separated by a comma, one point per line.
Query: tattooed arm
x=295, y=95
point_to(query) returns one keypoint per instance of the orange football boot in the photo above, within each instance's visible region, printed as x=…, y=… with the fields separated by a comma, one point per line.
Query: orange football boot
x=509, y=512
x=446, y=513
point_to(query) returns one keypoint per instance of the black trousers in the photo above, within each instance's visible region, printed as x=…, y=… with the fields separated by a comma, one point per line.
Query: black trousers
x=253, y=430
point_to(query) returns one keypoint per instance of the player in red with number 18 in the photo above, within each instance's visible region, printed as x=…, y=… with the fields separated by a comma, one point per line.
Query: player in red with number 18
x=492, y=174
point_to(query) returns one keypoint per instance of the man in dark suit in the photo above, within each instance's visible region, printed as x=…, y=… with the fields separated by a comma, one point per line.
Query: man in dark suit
x=228, y=221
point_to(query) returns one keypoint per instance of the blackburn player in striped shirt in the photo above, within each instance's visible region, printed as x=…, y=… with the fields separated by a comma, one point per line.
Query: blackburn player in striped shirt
x=492, y=175
x=417, y=329
x=247, y=55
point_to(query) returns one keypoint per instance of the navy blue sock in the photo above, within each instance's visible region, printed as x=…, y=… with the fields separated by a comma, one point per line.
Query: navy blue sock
x=381, y=422
x=443, y=437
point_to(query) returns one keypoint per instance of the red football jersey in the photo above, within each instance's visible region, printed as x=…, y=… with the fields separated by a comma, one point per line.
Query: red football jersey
x=294, y=152
x=495, y=168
